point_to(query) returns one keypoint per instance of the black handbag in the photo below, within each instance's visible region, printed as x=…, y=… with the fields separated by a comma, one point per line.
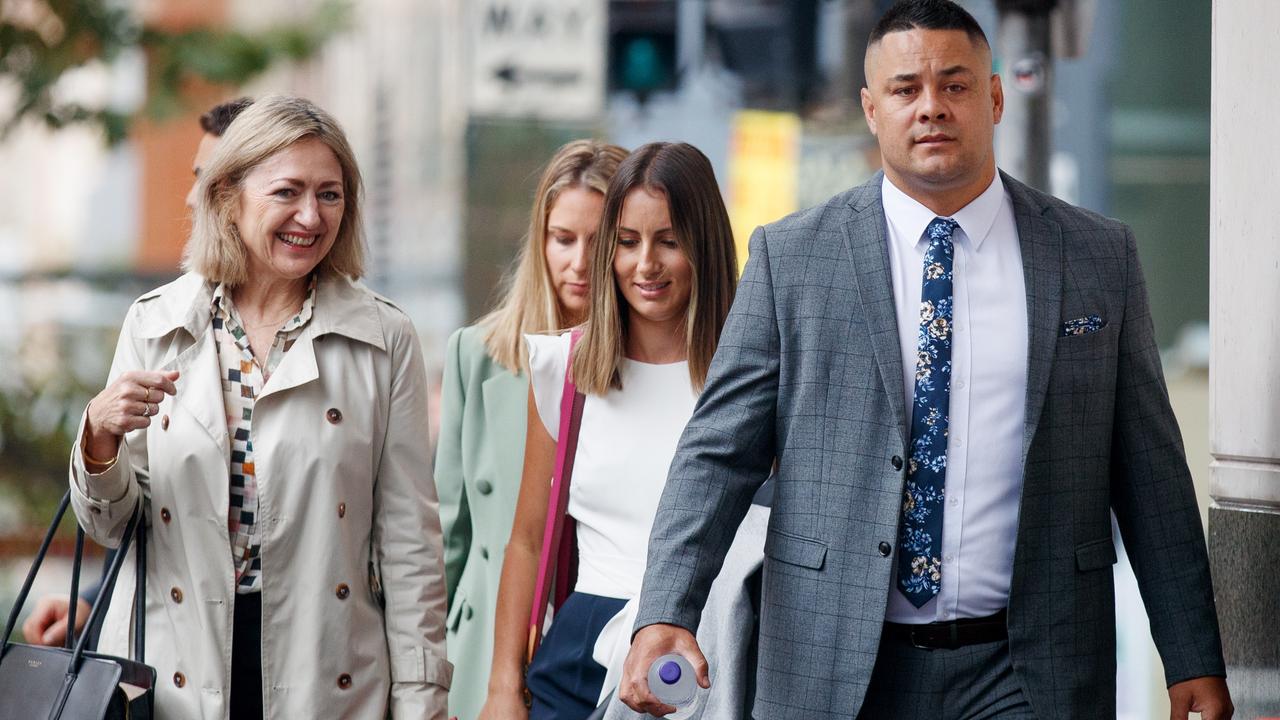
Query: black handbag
x=71, y=683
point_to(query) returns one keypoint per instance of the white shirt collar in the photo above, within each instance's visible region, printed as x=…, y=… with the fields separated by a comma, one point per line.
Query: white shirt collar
x=909, y=218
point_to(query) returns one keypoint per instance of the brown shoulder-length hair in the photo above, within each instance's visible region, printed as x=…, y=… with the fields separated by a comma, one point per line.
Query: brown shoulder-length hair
x=267, y=126
x=529, y=303
x=683, y=175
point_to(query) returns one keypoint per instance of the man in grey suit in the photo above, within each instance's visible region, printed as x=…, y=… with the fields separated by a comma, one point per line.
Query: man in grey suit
x=958, y=379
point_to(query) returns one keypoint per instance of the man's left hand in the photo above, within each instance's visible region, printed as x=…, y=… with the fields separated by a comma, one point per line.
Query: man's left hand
x=1205, y=695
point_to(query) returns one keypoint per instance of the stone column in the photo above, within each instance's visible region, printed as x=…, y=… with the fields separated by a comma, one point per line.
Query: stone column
x=1244, y=520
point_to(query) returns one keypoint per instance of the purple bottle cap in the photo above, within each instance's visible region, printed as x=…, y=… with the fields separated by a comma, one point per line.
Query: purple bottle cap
x=669, y=672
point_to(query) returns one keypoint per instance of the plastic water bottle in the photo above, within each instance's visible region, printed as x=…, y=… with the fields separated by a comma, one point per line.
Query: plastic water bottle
x=673, y=681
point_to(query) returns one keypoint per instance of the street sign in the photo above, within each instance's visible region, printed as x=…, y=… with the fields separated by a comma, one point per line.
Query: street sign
x=536, y=58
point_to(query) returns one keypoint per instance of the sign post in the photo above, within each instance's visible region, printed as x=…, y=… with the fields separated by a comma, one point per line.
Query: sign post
x=541, y=59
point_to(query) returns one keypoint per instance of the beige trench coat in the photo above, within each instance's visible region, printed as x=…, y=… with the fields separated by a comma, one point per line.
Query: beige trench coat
x=347, y=515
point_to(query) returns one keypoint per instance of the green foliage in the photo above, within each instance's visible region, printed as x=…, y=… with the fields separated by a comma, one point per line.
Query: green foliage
x=45, y=389
x=42, y=40
x=37, y=425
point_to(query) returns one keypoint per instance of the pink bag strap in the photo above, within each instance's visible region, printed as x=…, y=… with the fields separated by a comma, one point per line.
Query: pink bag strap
x=551, y=561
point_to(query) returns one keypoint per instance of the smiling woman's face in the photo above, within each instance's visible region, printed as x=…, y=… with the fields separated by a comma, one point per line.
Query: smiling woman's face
x=652, y=271
x=290, y=209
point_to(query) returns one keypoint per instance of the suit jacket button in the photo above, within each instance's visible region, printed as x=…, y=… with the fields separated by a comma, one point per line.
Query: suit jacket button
x=885, y=549
x=164, y=422
x=165, y=515
x=485, y=487
x=333, y=415
x=469, y=612
x=896, y=462
x=343, y=591
x=176, y=594
x=179, y=679
x=342, y=509
x=344, y=681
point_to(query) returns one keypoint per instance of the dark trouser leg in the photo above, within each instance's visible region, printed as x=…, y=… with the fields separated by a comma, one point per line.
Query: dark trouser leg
x=246, y=658
x=975, y=682
x=985, y=687
x=564, y=679
x=905, y=685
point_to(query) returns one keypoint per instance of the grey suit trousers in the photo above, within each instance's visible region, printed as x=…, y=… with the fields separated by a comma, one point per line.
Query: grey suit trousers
x=975, y=682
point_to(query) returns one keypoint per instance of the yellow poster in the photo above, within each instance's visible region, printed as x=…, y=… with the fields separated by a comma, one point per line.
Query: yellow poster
x=764, y=151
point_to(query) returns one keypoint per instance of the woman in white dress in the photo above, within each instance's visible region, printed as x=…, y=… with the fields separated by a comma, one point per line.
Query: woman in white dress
x=662, y=281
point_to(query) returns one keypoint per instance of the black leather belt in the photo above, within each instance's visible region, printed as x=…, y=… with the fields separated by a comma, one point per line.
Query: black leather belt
x=951, y=635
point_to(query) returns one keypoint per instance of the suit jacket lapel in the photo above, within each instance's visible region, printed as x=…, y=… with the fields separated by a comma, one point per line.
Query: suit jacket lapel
x=1041, y=241
x=866, y=238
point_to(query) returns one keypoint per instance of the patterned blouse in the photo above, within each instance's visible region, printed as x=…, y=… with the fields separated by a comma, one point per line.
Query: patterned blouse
x=243, y=379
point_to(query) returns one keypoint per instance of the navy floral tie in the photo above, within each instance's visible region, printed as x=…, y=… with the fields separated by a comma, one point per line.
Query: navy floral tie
x=920, y=534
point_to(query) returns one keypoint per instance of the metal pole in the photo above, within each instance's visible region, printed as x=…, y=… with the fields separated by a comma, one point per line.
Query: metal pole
x=1023, y=44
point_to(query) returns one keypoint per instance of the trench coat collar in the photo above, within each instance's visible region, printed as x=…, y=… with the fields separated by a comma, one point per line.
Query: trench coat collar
x=342, y=307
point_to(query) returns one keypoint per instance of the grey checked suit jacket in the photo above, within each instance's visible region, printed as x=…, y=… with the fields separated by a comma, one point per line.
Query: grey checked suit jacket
x=808, y=370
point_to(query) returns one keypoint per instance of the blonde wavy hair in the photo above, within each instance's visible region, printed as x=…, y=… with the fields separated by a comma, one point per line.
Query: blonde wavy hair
x=683, y=175
x=271, y=124
x=529, y=303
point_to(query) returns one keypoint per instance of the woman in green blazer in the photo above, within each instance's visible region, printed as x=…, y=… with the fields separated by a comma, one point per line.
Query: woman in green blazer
x=484, y=402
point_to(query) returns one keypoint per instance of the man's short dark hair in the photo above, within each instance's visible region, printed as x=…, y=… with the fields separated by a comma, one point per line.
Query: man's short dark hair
x=927, y=15
x=219, y=117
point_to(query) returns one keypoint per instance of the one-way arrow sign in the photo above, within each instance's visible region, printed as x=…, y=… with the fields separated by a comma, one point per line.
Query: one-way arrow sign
x=540, y=58
x=515, y=75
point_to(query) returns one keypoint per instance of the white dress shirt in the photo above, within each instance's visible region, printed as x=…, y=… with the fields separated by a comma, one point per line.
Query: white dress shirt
x=988, y=395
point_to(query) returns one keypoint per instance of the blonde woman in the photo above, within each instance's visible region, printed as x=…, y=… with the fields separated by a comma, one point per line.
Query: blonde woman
x=662, y=281
x=483, y=405
x=269, y=411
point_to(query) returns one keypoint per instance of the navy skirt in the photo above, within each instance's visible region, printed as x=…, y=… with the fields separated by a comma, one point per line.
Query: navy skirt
x=564, y=679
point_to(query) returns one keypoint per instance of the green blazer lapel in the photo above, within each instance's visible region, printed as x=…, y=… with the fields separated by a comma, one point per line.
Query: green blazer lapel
x=866, y=237
x=1041, y=241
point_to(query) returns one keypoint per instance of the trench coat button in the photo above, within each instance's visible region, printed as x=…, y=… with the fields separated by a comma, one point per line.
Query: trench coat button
x=896, y=462
x=484, y=552
x=179, y=679
x=485, y=487
x=176, y=594
x=164, y=422
x=344, y=681
x=342, y=510
x=165, y=515
x=885, y=549
x=333, y=415
x=343, y=591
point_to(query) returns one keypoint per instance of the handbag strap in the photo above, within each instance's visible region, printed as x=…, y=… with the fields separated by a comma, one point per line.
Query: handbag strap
x=31, y=574
x=571, y=404
x=136, y=528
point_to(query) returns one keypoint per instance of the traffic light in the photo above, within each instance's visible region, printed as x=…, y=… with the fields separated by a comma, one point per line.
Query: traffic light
x=771, y=46
x=642, y=46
